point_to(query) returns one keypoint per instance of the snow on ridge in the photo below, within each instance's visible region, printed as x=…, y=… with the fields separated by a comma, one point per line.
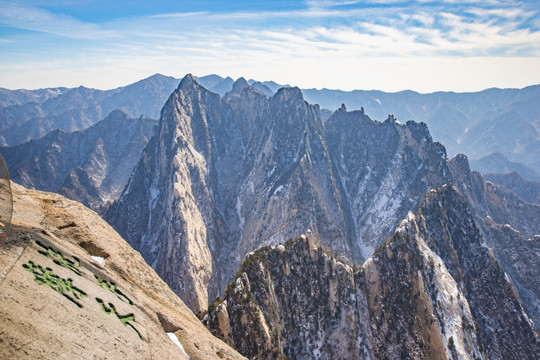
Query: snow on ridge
x=175, y=340
x=99, y=259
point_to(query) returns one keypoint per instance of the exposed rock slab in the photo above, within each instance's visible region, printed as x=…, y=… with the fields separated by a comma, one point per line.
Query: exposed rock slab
x=71, y=287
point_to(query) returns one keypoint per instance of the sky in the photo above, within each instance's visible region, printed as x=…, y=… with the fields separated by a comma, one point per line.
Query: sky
x=390, y=45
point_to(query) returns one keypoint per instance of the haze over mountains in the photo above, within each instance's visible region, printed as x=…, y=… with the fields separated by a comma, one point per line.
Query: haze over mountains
x=244, y=166
x=30, y=114
x=477, y=124
x=91, y=166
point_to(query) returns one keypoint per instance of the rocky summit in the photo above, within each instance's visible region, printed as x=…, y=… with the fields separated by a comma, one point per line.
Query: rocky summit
x=432, y=291
x=224, y=176
x=71, y=288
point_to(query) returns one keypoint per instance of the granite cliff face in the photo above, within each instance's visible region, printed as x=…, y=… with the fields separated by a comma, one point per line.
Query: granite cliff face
x=385, y=169
x=71, y=287
x=90, y=166
x=226, y=175
x=431, y=291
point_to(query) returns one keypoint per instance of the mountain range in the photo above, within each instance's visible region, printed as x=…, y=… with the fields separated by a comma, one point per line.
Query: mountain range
x=406, y=253
x=91, y=166
x=497, y=163
x=477, y=124
x=226, y=175
x=27, y=115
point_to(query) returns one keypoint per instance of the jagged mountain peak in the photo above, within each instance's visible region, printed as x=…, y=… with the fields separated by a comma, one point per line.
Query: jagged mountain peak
x=390, y=118
x=420, y=132
x=446, y=199
x=188, y=82
x=236, y=97
x=461, y=162
x=157, y=77
x=259, y=86
x=426, y=293
x=239, y=85
x=117, y=114
x=289, y=94
x=342, y=115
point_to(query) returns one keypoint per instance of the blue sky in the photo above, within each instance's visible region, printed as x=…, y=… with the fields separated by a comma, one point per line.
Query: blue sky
x=457, y=45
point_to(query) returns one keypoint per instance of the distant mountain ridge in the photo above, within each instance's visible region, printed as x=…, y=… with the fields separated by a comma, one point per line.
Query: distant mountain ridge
x=32, y=114
x=476, y=123
x=497, y=163
x=91, y=166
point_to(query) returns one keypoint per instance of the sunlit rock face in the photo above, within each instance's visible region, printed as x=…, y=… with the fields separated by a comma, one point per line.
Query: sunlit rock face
x=71, y=287
x=224, y=176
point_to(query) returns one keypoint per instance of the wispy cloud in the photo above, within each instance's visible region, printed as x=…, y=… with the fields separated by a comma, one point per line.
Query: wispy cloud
x=40, y=20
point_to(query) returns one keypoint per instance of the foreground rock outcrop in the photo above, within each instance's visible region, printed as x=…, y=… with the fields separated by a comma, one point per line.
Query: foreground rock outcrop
x=431, y=291
x=71, y=287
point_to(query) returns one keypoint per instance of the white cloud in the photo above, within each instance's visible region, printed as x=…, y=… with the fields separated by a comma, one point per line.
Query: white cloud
x=322, y=4
x=36, y=19
x=421, y=17
x=181, y=15
x=416, y=47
